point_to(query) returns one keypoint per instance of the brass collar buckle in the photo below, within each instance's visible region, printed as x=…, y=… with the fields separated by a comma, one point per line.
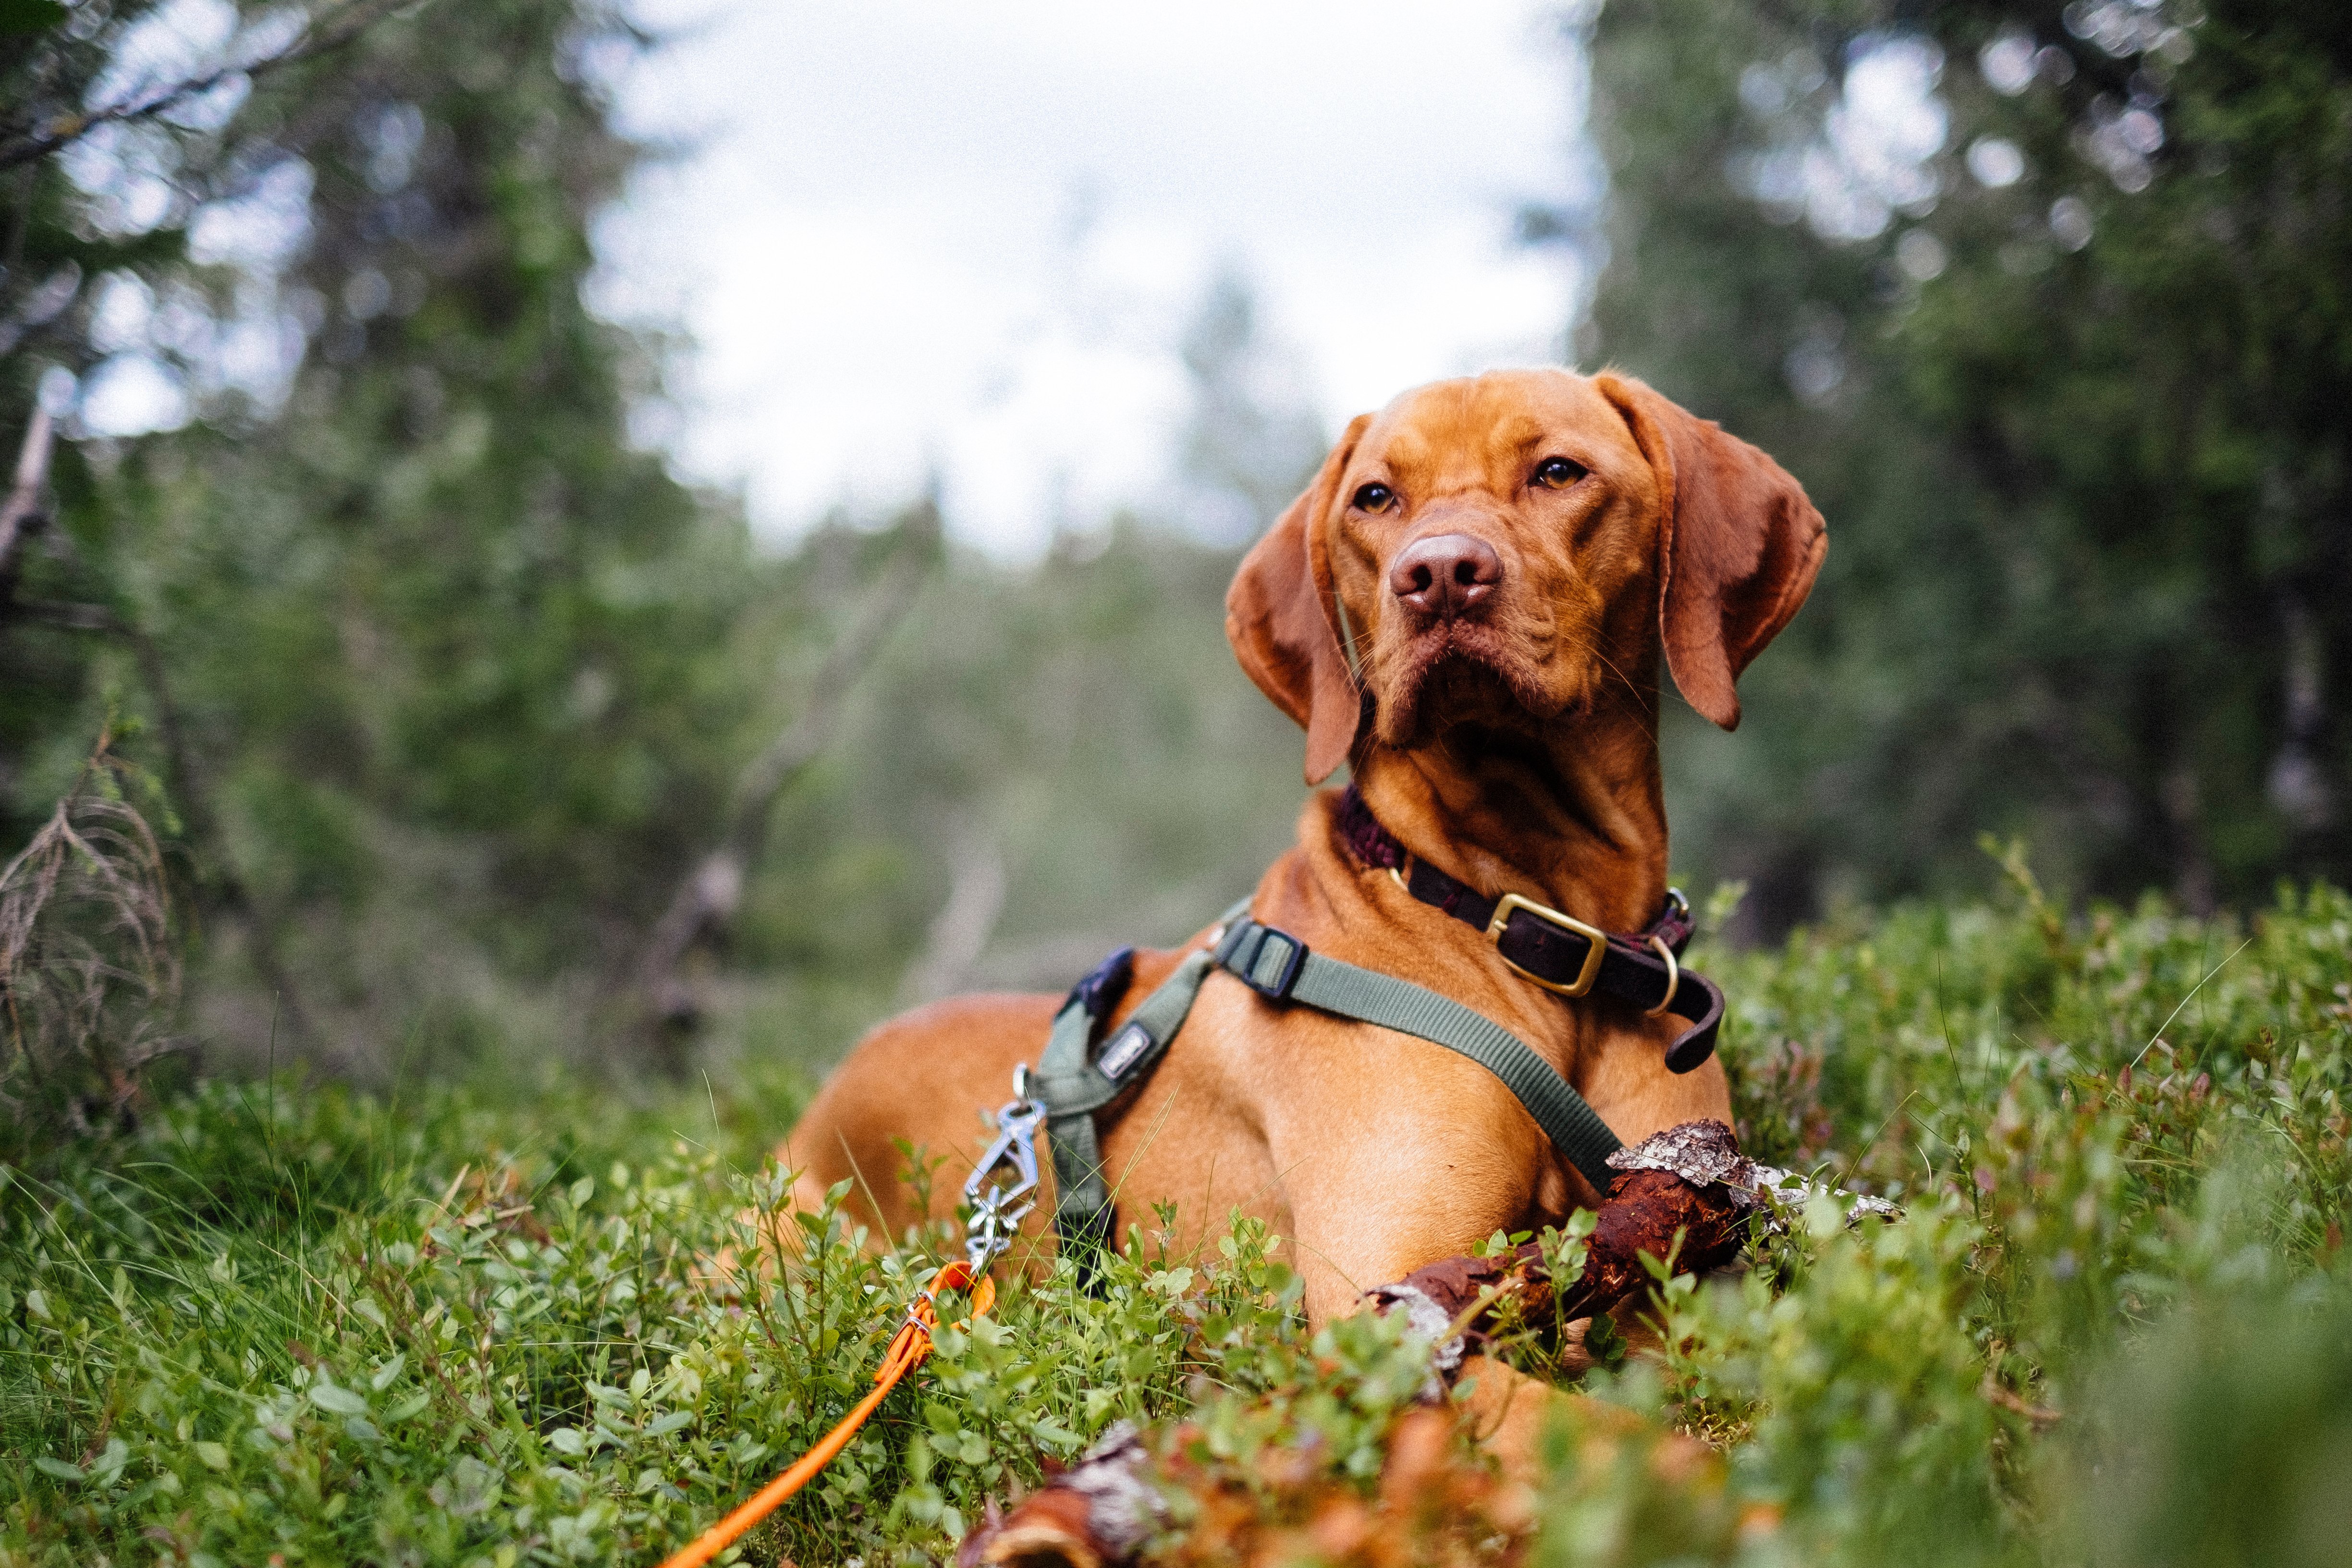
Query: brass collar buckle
x=1596, y=944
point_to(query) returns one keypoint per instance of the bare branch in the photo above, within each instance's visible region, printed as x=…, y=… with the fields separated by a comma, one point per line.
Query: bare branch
x=806, y=738
x=72, y=617
x=960, y=931
x=341, y=26
x=706, y=899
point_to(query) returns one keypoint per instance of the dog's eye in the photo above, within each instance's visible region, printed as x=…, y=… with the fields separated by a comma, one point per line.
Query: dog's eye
x=1374, y=497
x=1557, y=473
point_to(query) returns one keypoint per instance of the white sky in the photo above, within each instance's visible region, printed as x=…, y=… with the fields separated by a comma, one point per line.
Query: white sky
x=910, y=234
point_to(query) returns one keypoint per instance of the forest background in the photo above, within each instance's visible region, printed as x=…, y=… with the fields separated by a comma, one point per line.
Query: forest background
x=471, y=736
x=399, y=723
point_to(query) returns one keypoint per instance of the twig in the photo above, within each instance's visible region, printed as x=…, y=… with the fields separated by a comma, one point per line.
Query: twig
x=86, y=967
x=2040, y=1416
x=341, y=27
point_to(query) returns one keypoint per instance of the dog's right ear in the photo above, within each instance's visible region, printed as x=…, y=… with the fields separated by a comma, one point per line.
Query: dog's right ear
x=1279, y=618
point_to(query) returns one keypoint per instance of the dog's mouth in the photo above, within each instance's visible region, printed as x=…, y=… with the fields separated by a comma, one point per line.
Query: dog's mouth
x=1458, y=673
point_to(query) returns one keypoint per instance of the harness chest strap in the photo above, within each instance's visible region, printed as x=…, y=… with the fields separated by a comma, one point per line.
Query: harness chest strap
x=1279, y=967
x=1075, y=1083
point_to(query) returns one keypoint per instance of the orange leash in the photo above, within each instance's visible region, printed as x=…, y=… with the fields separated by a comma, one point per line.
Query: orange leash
x=907, y=1351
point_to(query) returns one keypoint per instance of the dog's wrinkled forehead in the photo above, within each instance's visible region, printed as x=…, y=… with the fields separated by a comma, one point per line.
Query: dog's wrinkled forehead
x=1483, y=432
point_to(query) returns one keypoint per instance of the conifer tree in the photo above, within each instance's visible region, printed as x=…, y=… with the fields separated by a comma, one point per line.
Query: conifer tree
x=2067, y=376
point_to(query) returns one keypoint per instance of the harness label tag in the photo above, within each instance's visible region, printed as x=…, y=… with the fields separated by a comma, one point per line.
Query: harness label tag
x=1122, y=1051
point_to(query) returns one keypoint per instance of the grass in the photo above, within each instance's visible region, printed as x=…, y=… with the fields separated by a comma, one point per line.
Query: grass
x=286, y=1326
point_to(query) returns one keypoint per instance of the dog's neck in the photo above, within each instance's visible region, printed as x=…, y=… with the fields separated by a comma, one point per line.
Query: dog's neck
x=1573, y=813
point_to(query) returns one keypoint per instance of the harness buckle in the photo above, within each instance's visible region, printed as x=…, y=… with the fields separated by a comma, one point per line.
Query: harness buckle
x=1596, y=942
x=1268, y=960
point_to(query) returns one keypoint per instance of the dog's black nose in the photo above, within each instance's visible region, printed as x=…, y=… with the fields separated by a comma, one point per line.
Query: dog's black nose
x=1446, y=576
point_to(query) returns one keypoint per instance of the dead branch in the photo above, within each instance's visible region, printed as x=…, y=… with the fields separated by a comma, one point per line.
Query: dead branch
x=806, y=737
x=89, y=974
x=707, y=897
x=228, y=892
x=22, y=515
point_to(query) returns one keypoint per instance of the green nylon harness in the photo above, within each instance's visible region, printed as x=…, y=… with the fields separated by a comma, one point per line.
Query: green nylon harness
x=1073, y=1080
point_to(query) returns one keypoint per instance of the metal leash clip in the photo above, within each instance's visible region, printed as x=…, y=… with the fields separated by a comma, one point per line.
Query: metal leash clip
x=997, y=1212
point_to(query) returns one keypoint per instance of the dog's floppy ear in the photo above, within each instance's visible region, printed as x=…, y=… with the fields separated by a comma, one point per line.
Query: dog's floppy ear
x=1279, y=618
x=1738, y=545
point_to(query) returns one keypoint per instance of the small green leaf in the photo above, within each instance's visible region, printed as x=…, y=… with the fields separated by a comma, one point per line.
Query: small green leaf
x=58, y=1467
x=567, y=1440
x=337, y=1401
x=387, y=1372
x=110, y=1463
x=1603, y=1342
x=212, y=1456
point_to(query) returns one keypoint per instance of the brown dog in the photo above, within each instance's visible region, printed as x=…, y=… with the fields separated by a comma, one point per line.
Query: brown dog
x=1502, y=560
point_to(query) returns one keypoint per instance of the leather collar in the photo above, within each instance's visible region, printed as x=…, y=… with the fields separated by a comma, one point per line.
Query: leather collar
x=1554, y=950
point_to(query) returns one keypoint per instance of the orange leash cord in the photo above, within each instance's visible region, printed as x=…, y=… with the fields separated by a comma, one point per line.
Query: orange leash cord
x=907, y=1351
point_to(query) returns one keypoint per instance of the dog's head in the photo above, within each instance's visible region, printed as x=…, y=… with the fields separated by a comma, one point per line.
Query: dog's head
x=1507, y=549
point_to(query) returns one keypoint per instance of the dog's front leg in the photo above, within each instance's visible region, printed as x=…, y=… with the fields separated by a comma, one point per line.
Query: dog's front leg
x=1672, y=1203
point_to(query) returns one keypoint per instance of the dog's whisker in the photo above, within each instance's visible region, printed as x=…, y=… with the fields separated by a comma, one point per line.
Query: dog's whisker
x=1649, y=726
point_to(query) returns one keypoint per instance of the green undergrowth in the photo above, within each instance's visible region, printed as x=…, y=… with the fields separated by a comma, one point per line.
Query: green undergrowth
x=295, y=1326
